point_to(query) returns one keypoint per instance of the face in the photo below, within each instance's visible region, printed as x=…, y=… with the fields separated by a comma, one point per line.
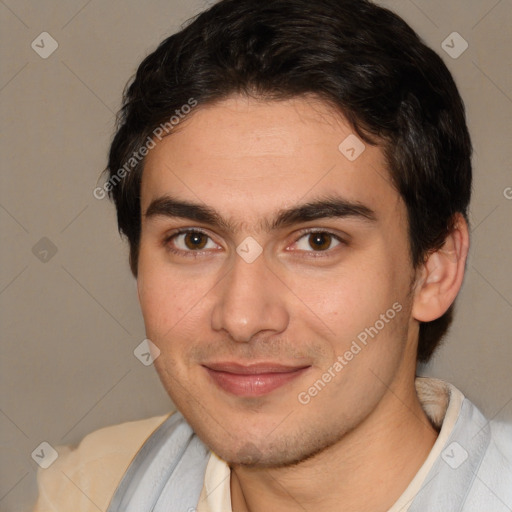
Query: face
x=274, y=277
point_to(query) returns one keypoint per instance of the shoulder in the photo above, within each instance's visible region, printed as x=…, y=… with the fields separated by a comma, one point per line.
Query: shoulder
x=493, y=483
x=84, y=478
x=490, y=480
x=472, y=457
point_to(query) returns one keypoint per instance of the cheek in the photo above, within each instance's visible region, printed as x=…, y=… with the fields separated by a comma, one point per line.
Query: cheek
x=345, y=299
x=172, y=302
x=366, y=303
x=162, y=299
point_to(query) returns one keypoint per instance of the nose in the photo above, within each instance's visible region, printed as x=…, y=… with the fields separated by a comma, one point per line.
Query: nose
x=250, y=299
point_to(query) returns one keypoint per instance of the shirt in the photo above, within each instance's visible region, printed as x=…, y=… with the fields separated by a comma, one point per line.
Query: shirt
x=86, y=478
x=440, y=401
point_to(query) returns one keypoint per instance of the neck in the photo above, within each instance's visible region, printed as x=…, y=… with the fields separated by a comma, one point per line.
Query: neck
x=382, y=455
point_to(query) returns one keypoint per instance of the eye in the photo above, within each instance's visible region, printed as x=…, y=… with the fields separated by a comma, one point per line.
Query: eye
x=317, y=241
x=190, y=241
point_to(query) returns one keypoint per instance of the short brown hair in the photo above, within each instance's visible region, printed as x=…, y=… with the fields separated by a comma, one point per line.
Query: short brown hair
x=359, y=57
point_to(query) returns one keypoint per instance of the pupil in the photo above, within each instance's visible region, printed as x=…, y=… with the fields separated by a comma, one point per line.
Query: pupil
x=195, y=240
x=320, y=241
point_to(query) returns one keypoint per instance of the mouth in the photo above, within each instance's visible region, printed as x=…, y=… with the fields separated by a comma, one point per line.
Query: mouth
x=252, y=380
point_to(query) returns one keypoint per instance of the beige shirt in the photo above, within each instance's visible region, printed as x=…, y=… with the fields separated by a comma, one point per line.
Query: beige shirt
x=85, y=478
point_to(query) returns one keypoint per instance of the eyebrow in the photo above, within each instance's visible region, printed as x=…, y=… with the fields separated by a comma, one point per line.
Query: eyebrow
x=322, y=208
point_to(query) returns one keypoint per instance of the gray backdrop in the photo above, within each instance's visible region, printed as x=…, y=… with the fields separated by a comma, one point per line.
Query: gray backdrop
x=70, y=317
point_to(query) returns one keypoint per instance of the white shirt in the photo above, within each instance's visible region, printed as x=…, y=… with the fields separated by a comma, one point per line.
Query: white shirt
x=442, y=404
x=160, y=464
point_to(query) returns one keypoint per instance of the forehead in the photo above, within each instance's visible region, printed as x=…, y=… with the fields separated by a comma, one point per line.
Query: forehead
x=246, y=157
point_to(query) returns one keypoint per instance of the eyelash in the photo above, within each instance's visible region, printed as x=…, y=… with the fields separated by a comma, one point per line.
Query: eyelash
x=189, y=254
x=196, y=254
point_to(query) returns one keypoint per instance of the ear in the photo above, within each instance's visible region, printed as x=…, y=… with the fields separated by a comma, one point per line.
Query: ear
x=440, y=277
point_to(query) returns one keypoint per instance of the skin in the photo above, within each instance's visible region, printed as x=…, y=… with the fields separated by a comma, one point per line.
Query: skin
x=248, y=159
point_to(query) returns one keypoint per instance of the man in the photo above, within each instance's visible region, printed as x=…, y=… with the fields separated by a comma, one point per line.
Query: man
x=293, y=179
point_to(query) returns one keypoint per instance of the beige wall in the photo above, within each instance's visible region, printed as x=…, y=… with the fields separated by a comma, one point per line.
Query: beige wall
x=70, y=324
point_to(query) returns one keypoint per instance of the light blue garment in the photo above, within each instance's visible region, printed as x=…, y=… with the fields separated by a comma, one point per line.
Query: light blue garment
x=473, y=473
x=167, y=474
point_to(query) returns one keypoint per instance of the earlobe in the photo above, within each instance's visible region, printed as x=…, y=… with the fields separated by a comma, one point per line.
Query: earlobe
x=442, y=274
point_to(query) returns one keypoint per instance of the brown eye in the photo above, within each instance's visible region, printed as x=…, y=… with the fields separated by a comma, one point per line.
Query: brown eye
x=195, y=240
x=190, y=241
x=320, y=241
x=317, y=241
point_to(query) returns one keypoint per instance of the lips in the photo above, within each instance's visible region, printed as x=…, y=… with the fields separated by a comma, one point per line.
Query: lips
x=254, y=379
